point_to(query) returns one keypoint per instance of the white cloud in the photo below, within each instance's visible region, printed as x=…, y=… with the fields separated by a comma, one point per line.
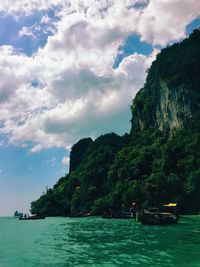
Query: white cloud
x=65, y=161
x=79, y=94
x=34, y=149
x=26, y=31
x=75, y=112
x=45, y=25
x=165, y=21
x=28, y=6
x=159, y=22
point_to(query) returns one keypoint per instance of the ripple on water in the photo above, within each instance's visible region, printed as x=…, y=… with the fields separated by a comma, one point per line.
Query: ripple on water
x=97, y=242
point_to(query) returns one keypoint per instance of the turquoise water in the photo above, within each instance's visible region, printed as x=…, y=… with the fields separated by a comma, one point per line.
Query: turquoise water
x=60, y=242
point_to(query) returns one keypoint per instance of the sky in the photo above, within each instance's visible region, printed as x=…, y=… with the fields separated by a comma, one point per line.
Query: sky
x=69, y=69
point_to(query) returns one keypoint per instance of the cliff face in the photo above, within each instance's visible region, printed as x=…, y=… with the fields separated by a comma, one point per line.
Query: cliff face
x=173, y=107
x=170, y=96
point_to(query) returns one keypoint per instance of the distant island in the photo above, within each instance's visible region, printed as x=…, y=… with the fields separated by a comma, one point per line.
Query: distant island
x=157, y=162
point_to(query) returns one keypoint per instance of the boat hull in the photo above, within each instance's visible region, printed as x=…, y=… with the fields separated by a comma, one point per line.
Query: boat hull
x=158, y=219
x=32, y=218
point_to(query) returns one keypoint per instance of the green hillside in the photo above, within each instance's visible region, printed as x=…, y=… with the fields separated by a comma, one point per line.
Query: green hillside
x=159, y=161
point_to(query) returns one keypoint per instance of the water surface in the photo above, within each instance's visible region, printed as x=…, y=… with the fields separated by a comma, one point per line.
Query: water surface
x=63, y=242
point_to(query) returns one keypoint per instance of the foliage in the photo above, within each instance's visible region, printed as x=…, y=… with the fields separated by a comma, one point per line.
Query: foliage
x=144, y=166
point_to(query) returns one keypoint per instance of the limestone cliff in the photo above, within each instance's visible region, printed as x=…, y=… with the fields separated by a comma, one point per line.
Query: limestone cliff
x=171, y=94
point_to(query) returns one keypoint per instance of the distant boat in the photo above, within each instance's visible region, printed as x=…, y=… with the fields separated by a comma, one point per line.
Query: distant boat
x=76, y=214
x=18, y=214
x=32, y=217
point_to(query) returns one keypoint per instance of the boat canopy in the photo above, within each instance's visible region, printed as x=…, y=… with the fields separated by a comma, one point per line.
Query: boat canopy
x=170, y=205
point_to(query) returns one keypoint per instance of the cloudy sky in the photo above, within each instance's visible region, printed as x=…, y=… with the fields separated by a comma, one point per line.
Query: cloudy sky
x=69, y=69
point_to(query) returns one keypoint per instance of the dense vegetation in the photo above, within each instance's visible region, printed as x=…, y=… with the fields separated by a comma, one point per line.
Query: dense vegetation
x=147, y=165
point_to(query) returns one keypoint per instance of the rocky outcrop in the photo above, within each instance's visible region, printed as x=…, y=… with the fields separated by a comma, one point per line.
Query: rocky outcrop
x=173, y=107
x=78, y=151
x=171, y=95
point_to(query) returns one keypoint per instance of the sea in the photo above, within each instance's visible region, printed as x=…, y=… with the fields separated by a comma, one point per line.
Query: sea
x=93, y=241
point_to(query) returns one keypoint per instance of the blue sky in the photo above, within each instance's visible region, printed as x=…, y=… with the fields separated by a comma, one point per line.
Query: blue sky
x=24, y=175
x=29, y=44
x=68, y=72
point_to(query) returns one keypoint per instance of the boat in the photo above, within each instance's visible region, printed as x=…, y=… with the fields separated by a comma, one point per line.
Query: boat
x=153, y=216
x=18, y=214
x=32, y=217
x=75, y=214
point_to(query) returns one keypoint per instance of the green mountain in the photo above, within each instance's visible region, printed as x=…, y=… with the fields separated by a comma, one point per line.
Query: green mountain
x=170, y=96
x=158, y=162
